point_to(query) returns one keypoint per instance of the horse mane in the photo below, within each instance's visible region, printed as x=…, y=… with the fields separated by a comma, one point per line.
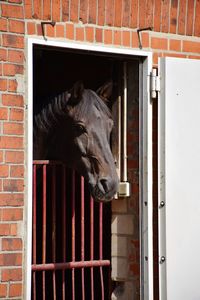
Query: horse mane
x=52, y=113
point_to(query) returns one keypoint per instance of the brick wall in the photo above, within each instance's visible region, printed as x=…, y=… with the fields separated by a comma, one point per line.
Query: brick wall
x=175, y=32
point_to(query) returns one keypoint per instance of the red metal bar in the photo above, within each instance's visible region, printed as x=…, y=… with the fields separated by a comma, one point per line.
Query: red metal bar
x=44, y=217
x=101, y=246
x=73, y=233
x=53, y=186
x=92, y=245
x=64, y=226
x=82, y=236
x=71, y=265
x=34, y=227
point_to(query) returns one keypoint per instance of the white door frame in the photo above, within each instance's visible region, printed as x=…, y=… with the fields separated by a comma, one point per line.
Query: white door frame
x=145, y=156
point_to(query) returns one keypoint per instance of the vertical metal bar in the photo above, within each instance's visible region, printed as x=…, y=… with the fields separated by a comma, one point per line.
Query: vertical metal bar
x=101, y=246
x=82, y=235
x=73, y=232
x=124, y=138
x=34, y=227
x=53, y=186
x=92, y=244
x=64, y=226
x=44, y=217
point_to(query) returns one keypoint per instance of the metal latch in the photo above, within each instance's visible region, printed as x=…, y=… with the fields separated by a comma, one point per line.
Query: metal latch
x=155, y=83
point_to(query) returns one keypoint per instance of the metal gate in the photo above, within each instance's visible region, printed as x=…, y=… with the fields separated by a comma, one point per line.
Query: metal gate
x=70, y=237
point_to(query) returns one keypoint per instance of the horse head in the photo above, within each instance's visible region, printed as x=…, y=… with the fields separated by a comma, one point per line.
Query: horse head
x=80, y=137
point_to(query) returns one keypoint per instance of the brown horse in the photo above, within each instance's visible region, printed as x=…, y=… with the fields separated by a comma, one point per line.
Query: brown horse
x=75, y=128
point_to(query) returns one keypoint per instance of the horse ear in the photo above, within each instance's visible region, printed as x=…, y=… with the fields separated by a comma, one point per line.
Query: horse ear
x=76, y=92
x=105, y=91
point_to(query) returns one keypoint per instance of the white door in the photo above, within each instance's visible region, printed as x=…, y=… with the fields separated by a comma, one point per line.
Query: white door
x=179, y=179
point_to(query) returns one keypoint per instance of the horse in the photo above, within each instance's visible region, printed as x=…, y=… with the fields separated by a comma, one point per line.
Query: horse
x=75, y=127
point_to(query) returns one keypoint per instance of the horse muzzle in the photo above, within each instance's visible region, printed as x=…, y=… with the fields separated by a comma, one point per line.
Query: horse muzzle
x=105, y=189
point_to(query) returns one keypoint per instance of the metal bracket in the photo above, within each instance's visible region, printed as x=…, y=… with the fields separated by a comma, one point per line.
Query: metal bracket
x=138, y=33
x=154, y=84
x=52, y=23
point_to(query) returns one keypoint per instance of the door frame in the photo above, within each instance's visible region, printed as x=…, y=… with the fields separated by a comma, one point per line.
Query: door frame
x=145, y=163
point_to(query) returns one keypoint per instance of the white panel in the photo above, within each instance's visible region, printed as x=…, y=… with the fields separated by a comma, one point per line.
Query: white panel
x=179, y=179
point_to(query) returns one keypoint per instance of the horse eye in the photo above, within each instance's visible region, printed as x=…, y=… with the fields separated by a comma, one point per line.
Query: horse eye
x=80, y=129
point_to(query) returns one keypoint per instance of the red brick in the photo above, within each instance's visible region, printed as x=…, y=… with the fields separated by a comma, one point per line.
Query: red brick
x=11, y=199
x=92, y=12
x=108, y=36
x=16, y=114
x=89, y=32
x=142, y=13
x=15, y=1
x=12, y=69
x=145, y=39
x=4, y=170
x=134, y=40
x=110, y=5
x=1, y=156
x=13, y=128
x=31, y=28
x=16, y=26
x=126, y=38
x=13, y=185
x=17, y=171
x=165, y=16
x=11, y=259
x=16, y=56
x=28, y=9
x=56, y=10
x=47, y=9
x=125, y=13
x=65, y=10
x=173, y=16
x=8, y=229
x=50, y=30
x=133, y=14
x=12, y=11
x=15, y=289
x=175, y=45
x=155, y=58
x=70, y=31
x=39, y=29
x=135, y=269
x=11, y=274
x=99, y=35
x=3, y=290
x=12, y=85
x=74, y=10
x=8, y=142
x=118, y=13
x=190, y=18
x=3, y=113
x=83, y=11
x=37, y=9
x=3, y=24
x=12, y=100
x=15, y=157
x=3, y=54
x=159, y=43
x=60, y=31
x=117, y=37
x=3, y=84
x=182, y=17
x=101, y=12
x=11, y=244
x=13, y=41
x=149, y=13
x=79, y=33
x=189, y=46
x=172, y=55
x=1, y=68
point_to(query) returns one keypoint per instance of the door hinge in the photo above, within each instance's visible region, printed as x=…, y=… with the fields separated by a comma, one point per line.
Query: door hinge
x=154, y=83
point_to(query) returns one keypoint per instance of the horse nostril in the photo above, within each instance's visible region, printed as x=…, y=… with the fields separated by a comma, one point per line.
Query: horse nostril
x=105, y=184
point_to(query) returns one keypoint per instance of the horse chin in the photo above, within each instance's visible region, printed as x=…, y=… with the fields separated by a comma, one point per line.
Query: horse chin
x=99, y=196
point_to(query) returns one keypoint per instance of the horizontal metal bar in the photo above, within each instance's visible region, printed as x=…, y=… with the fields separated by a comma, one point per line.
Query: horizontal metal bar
x=48, y=162
x=71, y=265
